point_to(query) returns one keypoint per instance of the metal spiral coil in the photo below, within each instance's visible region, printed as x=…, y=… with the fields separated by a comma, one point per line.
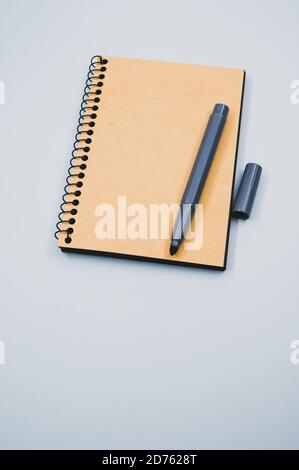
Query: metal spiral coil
x=83, y=139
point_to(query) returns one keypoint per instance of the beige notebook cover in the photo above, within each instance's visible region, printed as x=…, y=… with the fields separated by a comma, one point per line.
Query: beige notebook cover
x=146, y=127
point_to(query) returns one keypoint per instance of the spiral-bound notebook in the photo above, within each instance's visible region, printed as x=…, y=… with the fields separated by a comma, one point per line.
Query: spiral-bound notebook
x=140, y=127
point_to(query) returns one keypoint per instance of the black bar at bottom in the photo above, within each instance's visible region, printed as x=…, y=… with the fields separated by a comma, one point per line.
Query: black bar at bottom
x=148, y=458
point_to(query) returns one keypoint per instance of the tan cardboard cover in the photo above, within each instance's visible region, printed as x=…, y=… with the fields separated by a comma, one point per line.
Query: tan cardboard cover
x=149, y=126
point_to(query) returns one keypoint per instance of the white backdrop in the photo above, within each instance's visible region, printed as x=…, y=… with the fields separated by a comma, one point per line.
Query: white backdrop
x=105, y=353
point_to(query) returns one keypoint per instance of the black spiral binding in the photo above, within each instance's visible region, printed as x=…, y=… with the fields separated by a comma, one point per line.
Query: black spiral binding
x=87, y=116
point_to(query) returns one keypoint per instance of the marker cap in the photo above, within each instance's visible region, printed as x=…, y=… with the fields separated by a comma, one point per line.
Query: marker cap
x=247, y=190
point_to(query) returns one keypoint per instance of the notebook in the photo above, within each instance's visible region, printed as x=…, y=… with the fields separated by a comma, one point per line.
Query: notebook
x=140, y=126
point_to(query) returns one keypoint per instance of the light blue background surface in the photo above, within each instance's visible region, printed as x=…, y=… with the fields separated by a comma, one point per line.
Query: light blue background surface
x=104, y=353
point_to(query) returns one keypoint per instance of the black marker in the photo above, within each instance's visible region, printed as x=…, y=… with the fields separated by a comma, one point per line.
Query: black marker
x=198, y=174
